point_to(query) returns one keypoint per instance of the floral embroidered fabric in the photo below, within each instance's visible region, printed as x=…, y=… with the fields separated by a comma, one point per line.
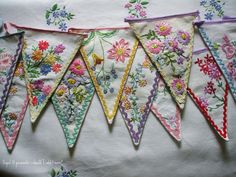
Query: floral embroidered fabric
x=10, y=48
x=210, y=95
x=220, y=37
x=15, y=107
x=108, y=55
x=167, y=111
x=72, y=99
x=138, y=94
x=168, y=41
x=46, y=57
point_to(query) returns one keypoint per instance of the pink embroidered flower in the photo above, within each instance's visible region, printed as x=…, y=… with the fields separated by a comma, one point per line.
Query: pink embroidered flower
x=154, y=46
x=56, y=68
x=163, y=28
x=128, y=5
x=228, y=48
x=59, y=49
x=179, y=86
x=119, y=51
x=47, y=89
x=171, y=44
x=142, y=13
x=34, y=101
x=183, y=37
x=230, y=66
x=77, y=67
x=138, y=7
x=204, y=102
x=210, y=89
x=43, y=45
x=5, y=61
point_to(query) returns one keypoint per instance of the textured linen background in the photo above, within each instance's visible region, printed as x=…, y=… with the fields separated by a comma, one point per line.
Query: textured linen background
x=104, y=151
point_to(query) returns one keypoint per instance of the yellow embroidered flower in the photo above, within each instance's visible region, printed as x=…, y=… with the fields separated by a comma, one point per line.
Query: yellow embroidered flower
x=12, y=116
x=142, y=109
x=127, y=90
x=13, y=90
x=50, y=59
x=146, y=63
x=96, y=59
x=61, y=91
x=37, y=55
x=127, y=105
x=19, y=70
x=142, y=83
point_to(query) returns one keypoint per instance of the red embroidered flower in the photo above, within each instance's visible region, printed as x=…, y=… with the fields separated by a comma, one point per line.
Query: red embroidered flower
x=34, y=101
x=56, y=68
x=210, y=89
x=43, y=45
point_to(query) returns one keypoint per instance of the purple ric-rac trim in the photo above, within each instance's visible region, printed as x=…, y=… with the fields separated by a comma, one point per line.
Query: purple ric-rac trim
x=11, y=72
x=136, y=135
x=231, y=20
x=196, y=13
x=200, y=51
x=228, y=17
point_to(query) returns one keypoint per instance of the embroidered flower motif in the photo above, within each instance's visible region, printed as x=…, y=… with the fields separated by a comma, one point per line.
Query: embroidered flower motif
x=120, y=51
x=142, y=83
x=127, y=105
x=38, y=84
x=183, y=37
x=46, y=89
x=19, y=72
x=58, y=16
x=96, y=59
x=179, y=86
x=154, y=46
x=5, y=61
x=71, y=81
x=77, y=67
x=37, y=55
x=137, y=8
x=210, y=88
x=171, y=44
x=59, y=49
x=127, y=90
x=228, y=48
x=43, y=45
x=34, y=101
x=13, y=90
x=204, y=102
x=61, y=93
x=163, y=28
x=213, y=8
x=45, y=69
x=56, y=68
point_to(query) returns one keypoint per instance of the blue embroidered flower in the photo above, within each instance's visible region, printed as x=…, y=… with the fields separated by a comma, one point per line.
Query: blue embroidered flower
x=208, y=16
x=218, y=7
x=212, y=2
x=49, y=21
x=62, y=26
x=63, y=13
x=45, y=69
x=41, y=98
x=203, y=2
x=55, y=14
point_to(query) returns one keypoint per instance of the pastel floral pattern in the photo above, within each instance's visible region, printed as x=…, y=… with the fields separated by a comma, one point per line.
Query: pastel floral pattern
x=210, y=94
x=138, y=95
x=108, y=56
x=72, y=98
x=137, y=8
x=62, y=172
x=212, y=8
x=58, y=16
x=6, y=60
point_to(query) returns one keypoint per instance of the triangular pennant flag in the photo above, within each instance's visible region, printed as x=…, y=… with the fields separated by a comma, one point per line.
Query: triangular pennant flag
x=167, y=111
x=72, y=99
x=10, y=49
x=168, y=41
x=209, y=90
x=46, y=57
x=15, y=107
x=138, y=94
x=108, y=54
x=220, y=37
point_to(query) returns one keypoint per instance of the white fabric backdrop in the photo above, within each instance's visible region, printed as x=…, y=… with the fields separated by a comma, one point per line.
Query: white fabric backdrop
x=104, y=151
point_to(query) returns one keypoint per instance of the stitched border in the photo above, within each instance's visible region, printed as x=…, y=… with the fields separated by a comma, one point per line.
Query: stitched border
x=136, y=136
x=220, y=63
x=111, y=116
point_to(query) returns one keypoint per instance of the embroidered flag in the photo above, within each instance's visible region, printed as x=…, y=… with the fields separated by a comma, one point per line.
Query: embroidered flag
x=168, y=41
x=72, y=99
x=167, y=111
x=10, y=49
x=209, y=91
x=15, y=107
x=220, y=37
x=46, y=57
x=138, y=94
x=108, y=54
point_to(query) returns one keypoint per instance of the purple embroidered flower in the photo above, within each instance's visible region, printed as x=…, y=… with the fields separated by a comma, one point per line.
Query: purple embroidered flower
x=38, y=84
x=203, y=2
x=183, y=37
x=179, y=86
x=128, y=5
x=55, y=14
x=138, y=7
x=212, y=2
x=59, y=49
x=208, y=16
x=62, y=26
x=45, y=69
x=171, y=44
x=180, y=60
x=63, y=13
x=71, y=81
x=204, y=102
x=49, y=21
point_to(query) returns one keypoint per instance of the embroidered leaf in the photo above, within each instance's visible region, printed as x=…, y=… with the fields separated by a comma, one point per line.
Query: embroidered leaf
x=144, y=2
x=54, y=7
x=132, y=1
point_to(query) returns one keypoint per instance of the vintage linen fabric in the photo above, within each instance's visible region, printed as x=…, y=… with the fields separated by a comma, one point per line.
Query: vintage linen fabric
x=167, y=111
x=211, y=93
x=220, y=37
x=108, y=54
x=14, y=110
x=72, y=99
x=138, y=94
x=46, y=57
x=10, y=49
x=168, y=41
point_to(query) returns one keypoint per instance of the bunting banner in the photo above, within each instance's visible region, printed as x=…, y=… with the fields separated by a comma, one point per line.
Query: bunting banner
x=167, y=111
x=220, y=37
x=108, y=55
x=138, y=94
x=210, y=95
x=46, y=56
x=15, y=107
x=10, y=49
x=168, y=41
x=72, y=99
